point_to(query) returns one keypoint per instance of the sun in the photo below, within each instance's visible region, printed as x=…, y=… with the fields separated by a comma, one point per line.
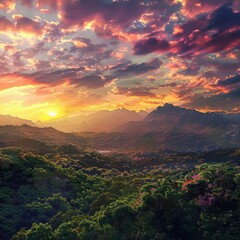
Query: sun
x=52, y=114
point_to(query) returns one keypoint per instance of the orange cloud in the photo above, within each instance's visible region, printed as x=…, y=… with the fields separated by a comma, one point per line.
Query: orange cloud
x=8, y=5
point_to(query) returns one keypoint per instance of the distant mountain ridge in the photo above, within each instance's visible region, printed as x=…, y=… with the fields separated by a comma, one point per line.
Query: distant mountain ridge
x=101, y=121
x=170, y=117
x=10, y=120
x=175, y=128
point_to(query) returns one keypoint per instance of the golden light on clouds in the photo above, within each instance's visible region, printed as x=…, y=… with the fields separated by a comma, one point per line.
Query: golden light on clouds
x=22, y=102
x=79, y=44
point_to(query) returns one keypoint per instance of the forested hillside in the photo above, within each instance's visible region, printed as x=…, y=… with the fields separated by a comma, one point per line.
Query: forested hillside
x=71, y=194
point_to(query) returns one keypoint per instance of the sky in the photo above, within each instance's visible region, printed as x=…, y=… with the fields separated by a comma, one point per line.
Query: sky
x=61, y=58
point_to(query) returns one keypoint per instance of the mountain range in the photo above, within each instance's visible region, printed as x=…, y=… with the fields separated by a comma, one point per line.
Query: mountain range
x=166, y=128
x=170, y=117
x=101, y=121
x=173, y=128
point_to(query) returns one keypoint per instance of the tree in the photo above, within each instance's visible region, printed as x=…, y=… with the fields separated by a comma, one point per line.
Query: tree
x=66, y=231
x=40, y=231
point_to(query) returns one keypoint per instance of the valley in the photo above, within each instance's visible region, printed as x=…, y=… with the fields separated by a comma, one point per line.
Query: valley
x=169, y=174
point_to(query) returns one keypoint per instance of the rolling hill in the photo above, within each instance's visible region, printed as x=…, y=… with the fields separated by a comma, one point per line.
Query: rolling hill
x=33, y=137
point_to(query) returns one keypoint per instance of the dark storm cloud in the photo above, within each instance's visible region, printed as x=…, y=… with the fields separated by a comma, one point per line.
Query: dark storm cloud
x=200, y=36
x=113, y=12
x=193, y=8
x=69, y=76
x=184, y=30
x=24, y=23
x=220, y=42
x=94, y=81
x=221, y=69
x=229, y=81
x=135, y=92
x=54, y=77
x=167, y=85
x=110, y=17
x=223, y=18
x=137, y=69
x=227, y=101
x=149, y=45
x=192, y=69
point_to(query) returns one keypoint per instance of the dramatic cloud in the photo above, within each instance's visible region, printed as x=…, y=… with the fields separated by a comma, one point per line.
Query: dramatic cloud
x=137, y=69
x=193, y=8
x=55, y=78
x=115, y=53
x=69, y=77
x=219, y=31
x=151, y=45
x=117, y=19
x=229, y=81
x=135, y=92
x=7, y=5
x=21, y=24
x=85, y=45
x=116, y=12
x=227, y=101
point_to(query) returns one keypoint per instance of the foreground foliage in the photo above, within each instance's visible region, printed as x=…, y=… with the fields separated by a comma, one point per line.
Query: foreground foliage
x=72, y=194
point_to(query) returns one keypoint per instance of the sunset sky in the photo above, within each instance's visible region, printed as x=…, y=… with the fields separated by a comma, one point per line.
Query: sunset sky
x=66, y=57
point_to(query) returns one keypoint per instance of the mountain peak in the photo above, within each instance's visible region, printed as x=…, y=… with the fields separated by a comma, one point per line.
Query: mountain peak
x=169, y=107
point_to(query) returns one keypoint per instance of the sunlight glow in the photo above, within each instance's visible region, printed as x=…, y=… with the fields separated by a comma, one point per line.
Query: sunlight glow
x=52, y=114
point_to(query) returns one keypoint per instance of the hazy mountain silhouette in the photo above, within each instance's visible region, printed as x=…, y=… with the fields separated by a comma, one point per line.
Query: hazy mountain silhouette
x=102, y=121
x=143, y=113
x=10, y=120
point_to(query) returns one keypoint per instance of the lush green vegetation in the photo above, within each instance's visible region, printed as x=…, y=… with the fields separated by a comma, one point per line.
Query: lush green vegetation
x=68, y=194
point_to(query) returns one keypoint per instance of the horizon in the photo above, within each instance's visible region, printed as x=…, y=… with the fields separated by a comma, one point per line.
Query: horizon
x=148, y=111
x=63, y=58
